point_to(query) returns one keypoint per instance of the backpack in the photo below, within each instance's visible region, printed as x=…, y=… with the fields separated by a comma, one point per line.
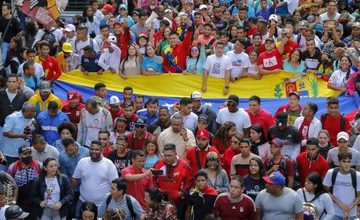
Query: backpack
x=128, y=203
x=282, y=167
x=49, y=36
x=342, y=121
x=310, y=210
x=353, y=179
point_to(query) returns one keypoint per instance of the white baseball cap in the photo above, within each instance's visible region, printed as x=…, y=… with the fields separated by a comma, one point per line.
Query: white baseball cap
x=203, y=7
x=70, y=28
x=112, y=39
x=196, y=95
x=342, y=135
x=274, y=17
x=114, y=100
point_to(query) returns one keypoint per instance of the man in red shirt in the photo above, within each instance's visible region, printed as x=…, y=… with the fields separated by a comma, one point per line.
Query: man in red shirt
x=136, y=139
x=137, y=177
x=115, y=108
x=311, y=161
x=235, y=204
x=196, y=155
x=256, y=44
x=175, y=55
x=50, y=64
x=176, y=178
x=129, y=115
x=104, y=139
x=333, y=121
x=74, y=107
x=270, y=61
x=258, y=115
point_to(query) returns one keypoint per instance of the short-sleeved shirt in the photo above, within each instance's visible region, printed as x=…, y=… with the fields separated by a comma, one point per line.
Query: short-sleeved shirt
x=95, y=178
x=121, y=205
x=270, y=61
x=239, y=62
x=151, y=65
x=243, y=209
x=343, y=190
x=240, y=118
x=217, y=66
x=334, y=160
x=91, y=64
x=279, y=207
x=120, y=162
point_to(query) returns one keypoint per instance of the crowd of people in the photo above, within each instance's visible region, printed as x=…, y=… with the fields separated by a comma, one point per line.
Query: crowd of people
x=131, y=158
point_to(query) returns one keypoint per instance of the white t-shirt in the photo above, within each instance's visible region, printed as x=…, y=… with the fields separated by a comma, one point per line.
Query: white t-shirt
x=217, y=65
x=52, y=192
x=343, y=190
x=79, y=46
x=95, y=179
x=239, y=62
x=94, y=123
x=333, y=156
x=240, y=118
x=324, y=17
x=339, y=77
x=39, y=70
x=110, y=60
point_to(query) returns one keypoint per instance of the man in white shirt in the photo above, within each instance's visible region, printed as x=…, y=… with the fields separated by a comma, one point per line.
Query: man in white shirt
x=176, y=134
x=83, y=40
x=331, y=13
x=235, y=114
x=239, y=59
x=110, y=58
x=190, y=118
x=70, y=34
x=30, y=58
x=42, y=150
x=93, y=118
x=217, y=65
x=96, y=174
x=104, y=36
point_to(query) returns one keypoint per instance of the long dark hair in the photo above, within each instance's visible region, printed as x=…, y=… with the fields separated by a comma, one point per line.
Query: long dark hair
x=259, y=129
x=43, y=172
x=127, y=57
x=315, y=178
x=261, y=166
x=85, y=15
x=221, y=133
x=348, y=72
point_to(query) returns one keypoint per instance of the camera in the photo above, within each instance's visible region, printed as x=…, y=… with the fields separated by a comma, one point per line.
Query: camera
x=156, y=172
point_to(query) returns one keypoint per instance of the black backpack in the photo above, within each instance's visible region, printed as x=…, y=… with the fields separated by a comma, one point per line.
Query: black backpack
x=49, y=36
x=128, y=203
x=353, y=179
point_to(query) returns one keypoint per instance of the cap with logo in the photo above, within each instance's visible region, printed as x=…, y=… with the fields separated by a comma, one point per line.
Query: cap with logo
x=281, y=119
x=67, y=47
x=114, y=101
x=45, y=86
x=274, y=17
x=277, y=142
x=342, y=135
x=203, y=133
x=140, y=121
x=73, y=96
x=196, y=95
x=189, y=2
x=24, y=148
x=276, y=178
x=203, y=118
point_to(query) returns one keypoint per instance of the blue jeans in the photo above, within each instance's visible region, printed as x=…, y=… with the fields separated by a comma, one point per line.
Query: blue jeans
x=4, y=49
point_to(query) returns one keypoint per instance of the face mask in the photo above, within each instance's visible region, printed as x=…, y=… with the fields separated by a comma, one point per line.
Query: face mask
x=26, y=160
x=324, y=62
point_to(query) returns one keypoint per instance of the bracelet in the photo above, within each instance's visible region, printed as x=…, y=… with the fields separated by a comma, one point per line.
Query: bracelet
x=226, y=87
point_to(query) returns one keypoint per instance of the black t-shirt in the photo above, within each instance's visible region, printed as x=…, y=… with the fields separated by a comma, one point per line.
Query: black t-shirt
x=120, y=162
x=13, y=29
x=202, y=205
x=312, y=62
x=253, y=186
x=289, y=134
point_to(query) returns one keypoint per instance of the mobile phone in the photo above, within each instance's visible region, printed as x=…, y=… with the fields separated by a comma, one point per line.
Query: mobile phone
x=157, y=172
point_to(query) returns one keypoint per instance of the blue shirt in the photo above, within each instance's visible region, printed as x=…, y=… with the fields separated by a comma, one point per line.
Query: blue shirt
x=32, y=81
x=68, y=162
x=235, y=11
x=149, y=119
x=16, y=123
x=288, y=67
x=151, y=65
x=265, y=14
x=49, y=125
x=91, y=64
x=129, y=19
x=150, y=161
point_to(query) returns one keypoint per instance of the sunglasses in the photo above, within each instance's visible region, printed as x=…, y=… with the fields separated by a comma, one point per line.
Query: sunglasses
x=139, y=126
x=194, y=50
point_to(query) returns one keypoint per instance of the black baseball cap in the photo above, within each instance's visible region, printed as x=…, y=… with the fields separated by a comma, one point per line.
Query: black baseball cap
x=233, y=98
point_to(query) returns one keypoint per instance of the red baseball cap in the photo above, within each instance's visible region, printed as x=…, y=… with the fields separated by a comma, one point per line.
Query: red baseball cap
x=73, y=96
x=203, y=133
x=108, y=8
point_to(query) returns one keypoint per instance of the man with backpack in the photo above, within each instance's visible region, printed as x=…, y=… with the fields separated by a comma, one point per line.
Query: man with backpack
x=342, y=185
x=279, y=162
x=118, y=199
x=52, y=35
x=333, y=121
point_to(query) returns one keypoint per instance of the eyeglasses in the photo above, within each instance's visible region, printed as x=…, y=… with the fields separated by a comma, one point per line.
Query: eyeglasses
x=194, y=50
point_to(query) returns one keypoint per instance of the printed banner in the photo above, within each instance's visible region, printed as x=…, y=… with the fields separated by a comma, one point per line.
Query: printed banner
x=43, y=11
x=181, y=85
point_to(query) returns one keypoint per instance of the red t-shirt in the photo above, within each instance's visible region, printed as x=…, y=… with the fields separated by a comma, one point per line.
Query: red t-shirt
x=270, y=61
x=306, y=166
x=226, y=160
x=73, y=113
x=106, y=151
x=333, y=126
x=263, y=118
x=244, y=209
x=51, y=67
x=289, y=47
x=137, y=188
x=260, y=49
x=135, y=143
x=191, y=157
x=117, y=114
x=219, y=145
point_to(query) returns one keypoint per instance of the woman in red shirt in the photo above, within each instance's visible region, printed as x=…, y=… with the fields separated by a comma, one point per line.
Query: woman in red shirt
x=223, y=136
